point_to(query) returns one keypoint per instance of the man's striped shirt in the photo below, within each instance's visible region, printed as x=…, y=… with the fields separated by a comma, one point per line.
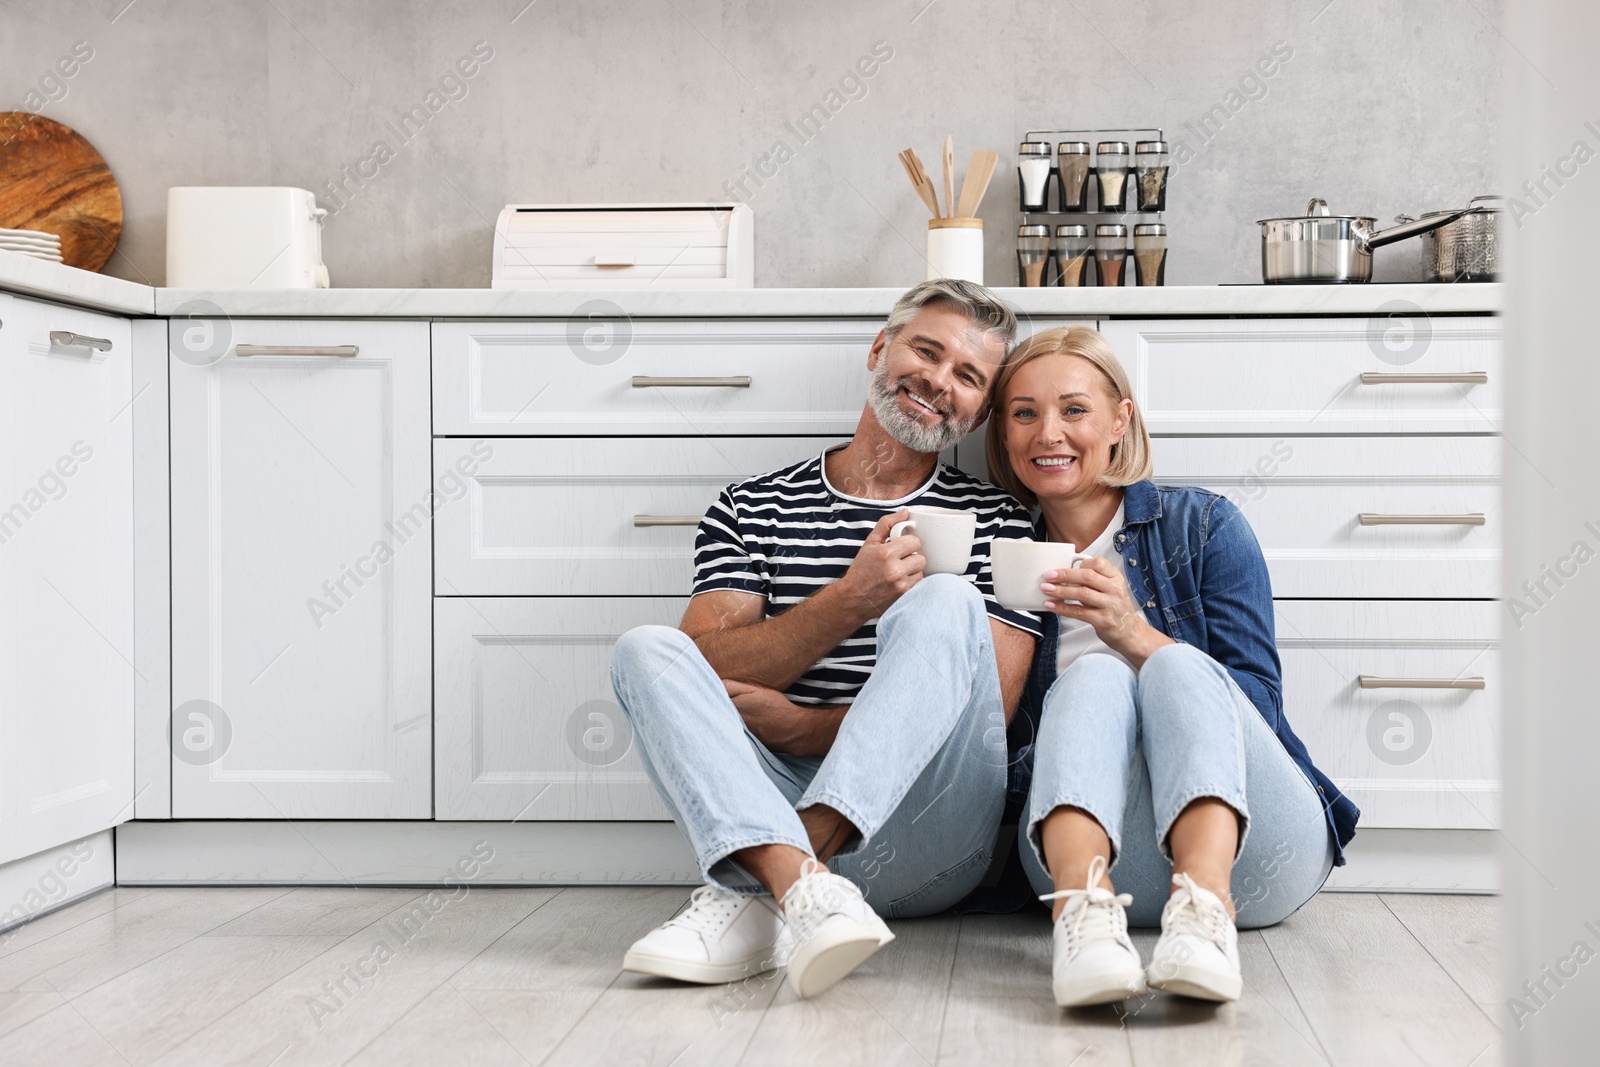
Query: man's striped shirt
x=786, y=534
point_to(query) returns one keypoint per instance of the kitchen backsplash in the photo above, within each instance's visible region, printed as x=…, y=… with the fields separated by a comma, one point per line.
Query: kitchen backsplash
x=1379, y=109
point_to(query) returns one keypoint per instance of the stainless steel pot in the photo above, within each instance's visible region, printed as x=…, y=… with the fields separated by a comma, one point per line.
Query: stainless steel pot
x=1464, y=250
x=1320, y=248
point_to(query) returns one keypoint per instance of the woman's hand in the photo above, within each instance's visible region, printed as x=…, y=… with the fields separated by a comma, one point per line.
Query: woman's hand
x=780, y=723
x=1106, y=603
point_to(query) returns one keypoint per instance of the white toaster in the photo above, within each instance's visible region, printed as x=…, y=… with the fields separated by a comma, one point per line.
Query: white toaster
x=244, y=237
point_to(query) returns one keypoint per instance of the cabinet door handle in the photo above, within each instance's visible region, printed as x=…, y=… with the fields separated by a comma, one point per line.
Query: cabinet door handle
x=666, y=520
x=1372, y=518
x=68, y=339
x=344, y=351
x=645, y=381
x=1470, y=377
x=1373, y=681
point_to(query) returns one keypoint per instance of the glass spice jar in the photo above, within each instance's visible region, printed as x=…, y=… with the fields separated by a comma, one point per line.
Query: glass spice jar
x=1073, y=245
x=1110, y=252
x=1033, y=249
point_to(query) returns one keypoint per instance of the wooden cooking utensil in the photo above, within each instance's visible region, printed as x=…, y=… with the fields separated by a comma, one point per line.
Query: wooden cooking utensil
x=919, y=179
x=979, y=170
x=52, y=179
x=950, y=173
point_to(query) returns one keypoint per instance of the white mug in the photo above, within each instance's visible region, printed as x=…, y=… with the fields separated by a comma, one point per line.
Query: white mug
x=1019, y=567
x=946, y=536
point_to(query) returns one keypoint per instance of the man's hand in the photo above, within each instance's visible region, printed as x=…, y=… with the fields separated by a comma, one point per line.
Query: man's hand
x=884, y=570
x=781, y=724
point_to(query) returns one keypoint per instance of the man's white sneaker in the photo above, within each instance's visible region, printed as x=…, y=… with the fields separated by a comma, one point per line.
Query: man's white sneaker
x=1095, y=961
x=834, y=929
x=1198, y=954
x=720, y=937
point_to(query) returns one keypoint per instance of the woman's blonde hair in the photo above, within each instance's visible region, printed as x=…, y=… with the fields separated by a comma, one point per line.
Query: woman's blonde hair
x=1130, y=457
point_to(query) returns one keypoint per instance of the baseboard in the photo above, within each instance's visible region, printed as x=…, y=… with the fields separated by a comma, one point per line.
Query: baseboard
x=241, y=852
x=253, y=852
x=36, y=885
x=1418, y=861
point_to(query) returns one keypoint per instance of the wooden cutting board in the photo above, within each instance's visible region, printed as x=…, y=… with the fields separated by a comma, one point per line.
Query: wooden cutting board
x=52, y=179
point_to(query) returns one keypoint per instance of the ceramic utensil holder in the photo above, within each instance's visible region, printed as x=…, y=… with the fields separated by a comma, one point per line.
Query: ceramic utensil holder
x=955, y=249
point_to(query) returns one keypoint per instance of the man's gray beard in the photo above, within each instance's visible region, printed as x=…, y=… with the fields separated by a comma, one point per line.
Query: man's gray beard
x=905, y=428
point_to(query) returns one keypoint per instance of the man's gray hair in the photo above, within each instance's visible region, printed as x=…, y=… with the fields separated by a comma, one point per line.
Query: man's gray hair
x=978, y=304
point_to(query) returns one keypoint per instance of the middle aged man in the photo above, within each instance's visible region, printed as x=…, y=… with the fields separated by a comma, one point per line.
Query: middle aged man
x=823, y=703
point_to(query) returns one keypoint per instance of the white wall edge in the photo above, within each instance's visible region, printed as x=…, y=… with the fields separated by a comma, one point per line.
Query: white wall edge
x=378, y=853
x=152, y=574
x=1383, y=860
x=185, y=852
x=36, y=885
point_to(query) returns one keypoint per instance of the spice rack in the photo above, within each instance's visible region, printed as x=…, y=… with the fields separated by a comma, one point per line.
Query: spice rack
x=1084, y=186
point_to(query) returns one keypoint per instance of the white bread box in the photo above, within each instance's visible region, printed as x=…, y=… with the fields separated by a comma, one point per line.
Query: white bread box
x=624, y=246
x=244, y=237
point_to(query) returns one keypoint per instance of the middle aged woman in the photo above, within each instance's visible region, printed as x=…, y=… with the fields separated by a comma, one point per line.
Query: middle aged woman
x=1161, y=750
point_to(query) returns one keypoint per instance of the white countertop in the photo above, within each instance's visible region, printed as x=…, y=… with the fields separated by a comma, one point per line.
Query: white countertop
x=22, y=274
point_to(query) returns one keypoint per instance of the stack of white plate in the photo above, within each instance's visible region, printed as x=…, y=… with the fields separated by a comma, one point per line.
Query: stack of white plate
x=36, y=243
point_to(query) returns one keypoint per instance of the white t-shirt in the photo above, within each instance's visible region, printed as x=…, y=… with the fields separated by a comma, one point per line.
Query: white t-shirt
x=1078, y=638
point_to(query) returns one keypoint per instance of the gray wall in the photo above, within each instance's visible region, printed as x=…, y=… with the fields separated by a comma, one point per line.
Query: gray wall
x=1384, y=107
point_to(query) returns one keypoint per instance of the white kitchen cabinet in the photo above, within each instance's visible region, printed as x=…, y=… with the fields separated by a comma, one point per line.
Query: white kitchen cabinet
x=527, y=722
x=1400, y=374
x=616, y=376
x=589, y=516
x=1378, y=517
x=1399, y=703
x=66, y=575
x=301, y=536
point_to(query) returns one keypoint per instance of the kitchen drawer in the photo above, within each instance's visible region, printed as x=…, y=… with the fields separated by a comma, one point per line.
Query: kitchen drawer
x=1305, y=498
x=526, y=725
x=656, y=377
x=542, y=517
x=1305, y=375
x=1409, y=757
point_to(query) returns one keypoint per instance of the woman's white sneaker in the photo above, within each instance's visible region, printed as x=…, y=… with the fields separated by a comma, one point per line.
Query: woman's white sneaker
x=1198, y=954
x=1095, y=961
x=833, y=926
x=720, y=937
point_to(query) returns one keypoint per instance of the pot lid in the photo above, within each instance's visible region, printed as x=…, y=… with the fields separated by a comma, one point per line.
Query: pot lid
x=1317, y=211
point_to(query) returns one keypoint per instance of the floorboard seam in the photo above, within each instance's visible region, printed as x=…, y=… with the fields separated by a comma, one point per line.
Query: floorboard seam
x=1383, y=899
x=446, y=980
x=1322, y=1050
x=949, y=983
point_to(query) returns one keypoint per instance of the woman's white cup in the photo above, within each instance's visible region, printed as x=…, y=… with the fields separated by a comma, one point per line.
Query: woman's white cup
x=1019, y=568
x=946, y=536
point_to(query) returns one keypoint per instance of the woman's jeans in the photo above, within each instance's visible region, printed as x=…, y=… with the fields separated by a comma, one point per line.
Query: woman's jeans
x=919, y=764
x=1133, y=749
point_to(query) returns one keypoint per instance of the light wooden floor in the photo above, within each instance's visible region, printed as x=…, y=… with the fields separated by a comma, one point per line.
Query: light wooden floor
x=530, y=976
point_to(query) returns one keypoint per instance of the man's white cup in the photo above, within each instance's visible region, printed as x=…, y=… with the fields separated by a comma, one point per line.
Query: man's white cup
x=946, y=536
x=1019, y=568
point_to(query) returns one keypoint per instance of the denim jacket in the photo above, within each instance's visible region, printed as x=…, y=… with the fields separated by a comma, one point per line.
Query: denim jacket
x=1195, y=568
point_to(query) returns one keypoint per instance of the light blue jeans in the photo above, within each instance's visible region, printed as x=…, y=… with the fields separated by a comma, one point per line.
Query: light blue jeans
x=919, y=764
x=1134, y=749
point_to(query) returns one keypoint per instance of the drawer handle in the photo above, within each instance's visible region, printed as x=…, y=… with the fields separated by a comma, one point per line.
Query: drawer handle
x=68, y=339
x=1471, y=377
x=1372, y=681
x=1371, y=518
x=344, y=351
x=738, y=381
x=614, y=259
x=666, y=520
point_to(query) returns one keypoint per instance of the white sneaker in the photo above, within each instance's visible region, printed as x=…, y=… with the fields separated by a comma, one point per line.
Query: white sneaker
x=1198, y=954
x=1095, y=961
x=720, y=937
x=834, y=929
